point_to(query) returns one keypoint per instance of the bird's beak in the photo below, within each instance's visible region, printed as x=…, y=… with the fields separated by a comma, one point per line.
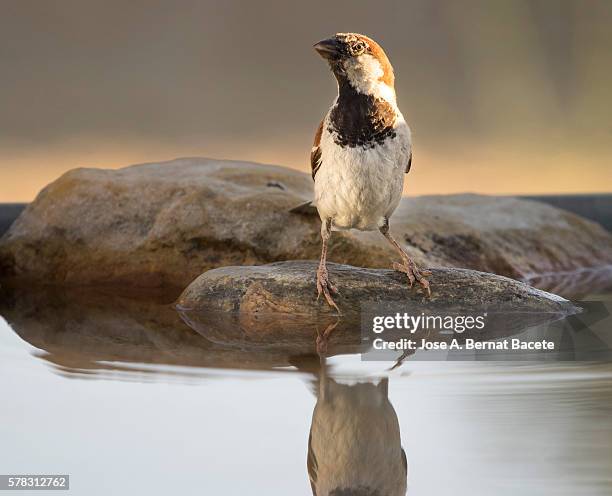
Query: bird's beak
x=328, y=49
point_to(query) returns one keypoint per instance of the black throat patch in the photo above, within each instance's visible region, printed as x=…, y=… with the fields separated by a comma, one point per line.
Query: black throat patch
x=360, y=120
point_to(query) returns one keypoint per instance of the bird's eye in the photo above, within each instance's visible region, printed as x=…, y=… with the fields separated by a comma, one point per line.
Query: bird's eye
x=358, y=47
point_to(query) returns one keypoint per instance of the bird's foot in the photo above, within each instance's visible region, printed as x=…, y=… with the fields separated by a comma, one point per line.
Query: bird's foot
x=401, y=359
x=323, y=338
x=325, y=287
x=409, y=268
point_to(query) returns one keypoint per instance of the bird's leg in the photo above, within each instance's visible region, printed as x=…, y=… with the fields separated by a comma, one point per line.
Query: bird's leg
x=407, y=266
x=323, y=284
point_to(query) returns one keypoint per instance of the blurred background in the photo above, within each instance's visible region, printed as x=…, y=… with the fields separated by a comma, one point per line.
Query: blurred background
x=510, y=96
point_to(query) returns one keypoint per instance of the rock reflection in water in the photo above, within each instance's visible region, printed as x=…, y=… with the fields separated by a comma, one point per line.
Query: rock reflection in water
x=282, y=332
x=354, y=447
x=93, y=333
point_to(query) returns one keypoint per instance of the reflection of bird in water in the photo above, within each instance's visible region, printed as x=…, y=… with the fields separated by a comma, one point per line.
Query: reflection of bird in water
x=354, y=448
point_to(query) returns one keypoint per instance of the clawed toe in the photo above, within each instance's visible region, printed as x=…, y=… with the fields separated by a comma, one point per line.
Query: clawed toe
x=332, y=288
x=414, y=274
x=406, y=270
x=326, y=288
x=425, y=285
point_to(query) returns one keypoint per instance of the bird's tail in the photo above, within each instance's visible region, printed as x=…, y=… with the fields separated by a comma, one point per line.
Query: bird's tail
x=305, y=209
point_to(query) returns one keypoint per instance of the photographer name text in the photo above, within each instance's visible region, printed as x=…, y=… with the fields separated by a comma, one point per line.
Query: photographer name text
x=467, y=344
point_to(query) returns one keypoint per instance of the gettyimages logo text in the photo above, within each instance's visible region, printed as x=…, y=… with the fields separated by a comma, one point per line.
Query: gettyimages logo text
x=413, y=323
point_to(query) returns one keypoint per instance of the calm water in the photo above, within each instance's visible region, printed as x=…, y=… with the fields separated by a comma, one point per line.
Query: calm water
x=126, y=399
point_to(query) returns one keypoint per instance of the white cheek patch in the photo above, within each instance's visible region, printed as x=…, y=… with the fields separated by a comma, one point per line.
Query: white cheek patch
x=365, y=73
x=363, y=68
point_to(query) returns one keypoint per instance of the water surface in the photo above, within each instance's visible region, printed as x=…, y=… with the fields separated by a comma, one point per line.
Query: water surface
x=127, y=399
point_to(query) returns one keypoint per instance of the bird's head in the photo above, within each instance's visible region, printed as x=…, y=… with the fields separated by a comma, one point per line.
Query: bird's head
x=360, y=62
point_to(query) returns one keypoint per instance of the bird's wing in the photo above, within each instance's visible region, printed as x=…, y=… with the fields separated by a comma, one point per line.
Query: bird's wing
x=312, y=465
x=315, y=154
x=409, y=163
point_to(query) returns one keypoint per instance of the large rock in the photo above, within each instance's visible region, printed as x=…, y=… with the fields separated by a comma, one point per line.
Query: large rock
x=275, y=305
x=158, y=224
x=162, y=224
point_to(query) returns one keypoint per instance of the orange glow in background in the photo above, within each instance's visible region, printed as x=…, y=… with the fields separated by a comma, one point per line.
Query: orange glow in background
x=493, y=170
x=502, y=97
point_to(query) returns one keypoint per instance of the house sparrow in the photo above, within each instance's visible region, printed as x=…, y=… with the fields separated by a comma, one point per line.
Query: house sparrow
x=354, y=447
x=362, y=149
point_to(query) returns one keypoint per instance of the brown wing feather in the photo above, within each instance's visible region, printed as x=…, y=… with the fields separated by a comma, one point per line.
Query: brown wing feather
x=409, y=164
x=315, y=154
x=312, y=465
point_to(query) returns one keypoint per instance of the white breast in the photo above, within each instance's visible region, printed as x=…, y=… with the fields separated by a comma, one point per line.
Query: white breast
x=358, y=187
